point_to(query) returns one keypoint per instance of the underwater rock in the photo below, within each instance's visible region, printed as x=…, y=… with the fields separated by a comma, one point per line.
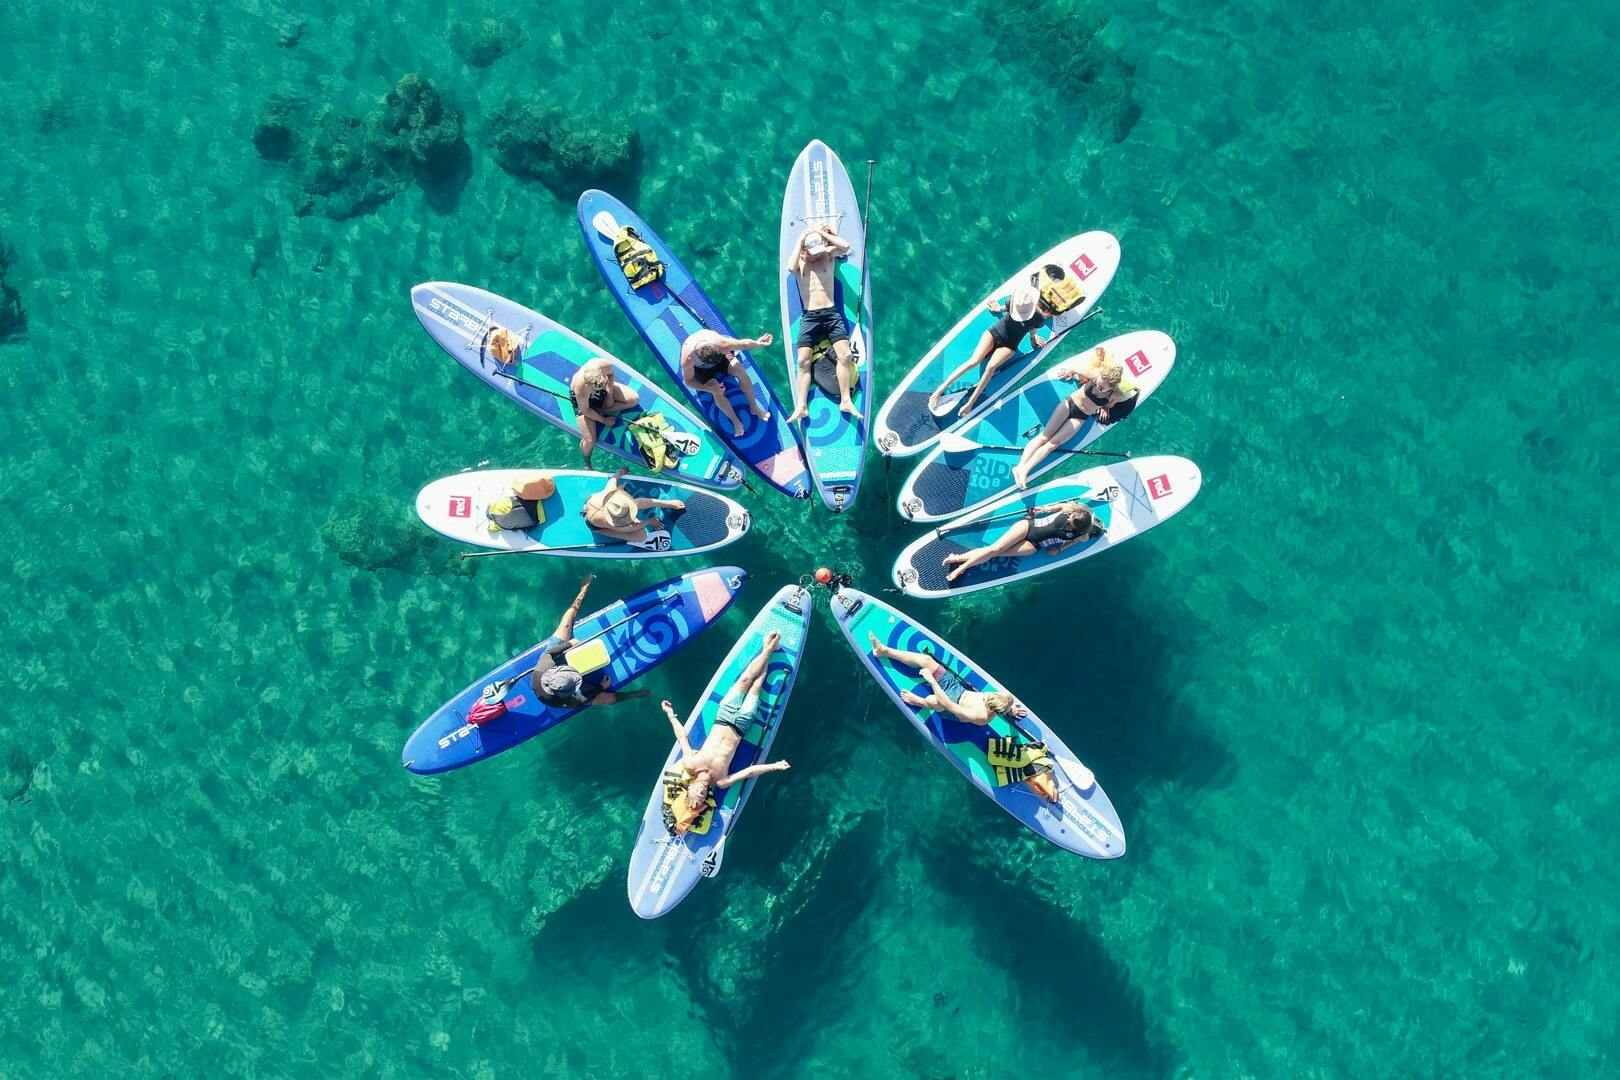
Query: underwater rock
x=347, y=165
x=416, y=130
x=483, y=41
x=13, y=319
x=1077, y=75
x=566, y=152
x=275, y=136
x=372, y=533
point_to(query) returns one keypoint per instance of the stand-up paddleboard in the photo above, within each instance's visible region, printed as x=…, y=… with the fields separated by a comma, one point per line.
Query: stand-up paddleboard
x=664, y=867
x=1082, y=821
x=639, y=633
x=457, y=506
x=973, y=465
x=668, y=311
x=819, y=193
x=461, y=318
x=1126, y=498
x=905, y=425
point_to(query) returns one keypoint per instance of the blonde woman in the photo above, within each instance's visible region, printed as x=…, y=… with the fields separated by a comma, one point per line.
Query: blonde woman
x=599, y=398
x=1101, y=387
x=617, y=513
x=1052, y=528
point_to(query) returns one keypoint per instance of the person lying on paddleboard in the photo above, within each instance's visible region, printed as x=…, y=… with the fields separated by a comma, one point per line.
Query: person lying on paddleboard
x=705, y=356
x=702, y=770
x=947, y=695
x=598, y=400
x=616, y=512
x=561, y=686
x=1102, y=387
x=1053, y=528
x=1023, y=314
x=814, y=266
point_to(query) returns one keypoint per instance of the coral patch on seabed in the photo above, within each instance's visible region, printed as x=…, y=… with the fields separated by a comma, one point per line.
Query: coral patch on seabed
x=348, y=165
x=369, y=532
x=485, y=40
x=13, y=319
x=565, y=151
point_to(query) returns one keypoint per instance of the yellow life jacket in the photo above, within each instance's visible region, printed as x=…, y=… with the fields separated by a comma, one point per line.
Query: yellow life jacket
x=1059, y=289
x=637, y=260
x=1015, y=760
x=675, y=784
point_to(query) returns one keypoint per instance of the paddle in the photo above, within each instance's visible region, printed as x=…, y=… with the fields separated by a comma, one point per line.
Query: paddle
x=711, y=862
x=866, y=261
x=504, y=685
x=545, y=550
x=953, y=443
x=949, y=400
x=683, y=441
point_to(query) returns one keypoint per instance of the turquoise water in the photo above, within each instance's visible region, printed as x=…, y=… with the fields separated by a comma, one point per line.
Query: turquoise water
x=1354, y=705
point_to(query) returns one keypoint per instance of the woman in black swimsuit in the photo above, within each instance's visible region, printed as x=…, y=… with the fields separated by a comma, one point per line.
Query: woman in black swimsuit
x=598, y=400
x=1022, y=315
x=1052, y=528
x=1102, y=387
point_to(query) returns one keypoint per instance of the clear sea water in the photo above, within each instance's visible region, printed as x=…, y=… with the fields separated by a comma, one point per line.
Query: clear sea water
x=1355, y=706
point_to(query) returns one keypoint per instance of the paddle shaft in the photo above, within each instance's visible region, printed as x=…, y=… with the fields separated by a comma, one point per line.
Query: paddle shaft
x=569, y=398
x=1010, y=446
x=866, y=252
x=1021, y=357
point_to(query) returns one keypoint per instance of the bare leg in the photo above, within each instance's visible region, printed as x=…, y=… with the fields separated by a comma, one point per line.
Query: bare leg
x=724, y=405
x=931, y=702
x=997, y=359
x=980, y=351
x=755, y=671
x=587, y=439
x=846, y=378
x=1011, y=542
x=899, y=656
x=624, y=398
x=801, y=386
x=1059, y=430
x=747, y=384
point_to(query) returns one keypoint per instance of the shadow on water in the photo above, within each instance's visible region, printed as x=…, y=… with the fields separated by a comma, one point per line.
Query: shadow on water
x=1070, y=984
x=1122, y=711
x=442, y=190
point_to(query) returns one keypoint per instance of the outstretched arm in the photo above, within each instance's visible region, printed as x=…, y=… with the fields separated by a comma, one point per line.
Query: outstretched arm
x=680, y=730
x=752, y=771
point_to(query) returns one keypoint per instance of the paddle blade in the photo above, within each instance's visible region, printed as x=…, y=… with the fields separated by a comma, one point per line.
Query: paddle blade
x=711, y=863
x=605, y=224
x=948, y=403
x=683, y=441
x=954, y=443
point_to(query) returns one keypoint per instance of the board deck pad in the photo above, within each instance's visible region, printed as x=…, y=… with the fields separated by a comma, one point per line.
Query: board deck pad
x=460, y=317
x=456, y=507
x=944, y=484
x=665, y=313
x=640, y=632
x=819, y=191
x=664, y=868
x=1127, y=497
x=906, y=426
x=1084, y=821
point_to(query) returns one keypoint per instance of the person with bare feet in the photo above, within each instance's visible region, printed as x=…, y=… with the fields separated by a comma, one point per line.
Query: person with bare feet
x=1023, y=314
x=704, y=769
x=814, y=265
x=1052, y=528
x=559, y=685
x=706, y=356
x=947, y=695
x=616, y=512
x=598, y=399
x=1102, y=387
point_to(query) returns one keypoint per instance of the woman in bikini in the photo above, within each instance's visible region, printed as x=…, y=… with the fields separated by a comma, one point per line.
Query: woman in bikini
x=598, y=400
x=1052, y=528
x=1101, y=387
x=703, y=770
x=1021, y=315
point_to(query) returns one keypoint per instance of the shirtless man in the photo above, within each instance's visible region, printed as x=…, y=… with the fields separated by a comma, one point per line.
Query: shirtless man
x=813, y=266
x=599, y=398
x=705, y=356
x=709, y=767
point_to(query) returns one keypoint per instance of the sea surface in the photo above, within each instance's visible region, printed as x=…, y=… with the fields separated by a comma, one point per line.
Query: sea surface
x=1355, y=705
